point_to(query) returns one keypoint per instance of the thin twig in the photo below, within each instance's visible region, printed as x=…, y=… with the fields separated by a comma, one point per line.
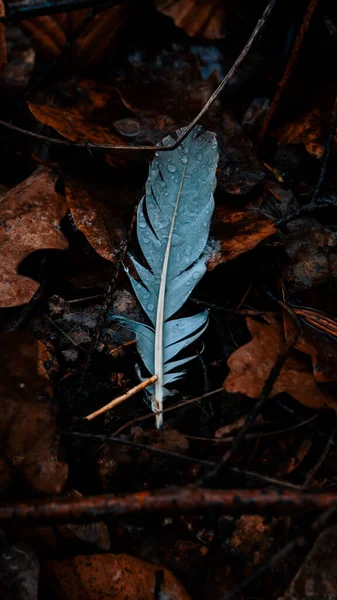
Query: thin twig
x=289, y=68
x=327, y=152
x=120, y=399
x=151, y=415
x=257, y=30
x=254, y=436
x=178, y=499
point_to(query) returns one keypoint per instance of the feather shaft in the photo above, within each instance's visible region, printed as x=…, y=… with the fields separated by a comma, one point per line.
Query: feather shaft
x=158, y=344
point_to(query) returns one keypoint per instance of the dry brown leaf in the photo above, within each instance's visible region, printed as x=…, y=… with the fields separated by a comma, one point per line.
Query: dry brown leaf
x=30, y=215
x=203, y=18
x=107, y=576
x=3, y=49
x=251, y=364
x=28, y=417
x=236, y=232
x=93, y=36
x=73, y=125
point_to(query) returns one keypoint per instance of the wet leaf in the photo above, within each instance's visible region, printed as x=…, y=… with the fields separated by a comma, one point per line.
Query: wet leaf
x=93, y=36
x=251, y=364
x=197, y=18
x=74, y=125
x=106, y=576
x=316, y=577
x=28, y=425
x=30, y=215
x=235, y=232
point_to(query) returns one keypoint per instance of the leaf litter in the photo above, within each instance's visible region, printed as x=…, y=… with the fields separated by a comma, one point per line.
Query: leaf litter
x=109, y=76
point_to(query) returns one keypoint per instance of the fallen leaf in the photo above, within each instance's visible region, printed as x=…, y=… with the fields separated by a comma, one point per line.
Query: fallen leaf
x=309, y=246
x=316, y=578
x=102, y=213
x=30, y=215
x=310, y=129
x=106, y=576
x=235, y=232
x=204, y=18
x=251, y=364
x=28, y=425
x=73, y=125
x=92, y=37
x=19, y=571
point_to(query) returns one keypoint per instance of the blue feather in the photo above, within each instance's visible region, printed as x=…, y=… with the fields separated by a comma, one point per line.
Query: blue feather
x=173, y=223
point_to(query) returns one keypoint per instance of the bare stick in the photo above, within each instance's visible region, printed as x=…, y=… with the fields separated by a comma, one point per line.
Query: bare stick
x=237, y=501
x=120, y=399
x=289, y=68
x=257, y=30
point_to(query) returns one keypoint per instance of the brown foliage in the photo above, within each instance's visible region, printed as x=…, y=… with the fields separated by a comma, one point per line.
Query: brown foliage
x=30, y=215
x=251, y=364
x=28, y=426
x=105, y=576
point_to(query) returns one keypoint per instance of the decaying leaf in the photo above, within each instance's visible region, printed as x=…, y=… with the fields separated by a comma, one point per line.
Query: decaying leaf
x=93, y=37
x=236, y=232
x=316, y=577
x=309, y=246
x=203, y=18
x=251, y=364
x=73, y=125
x=30, y=215
x=28, y=431
x=107, y=576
